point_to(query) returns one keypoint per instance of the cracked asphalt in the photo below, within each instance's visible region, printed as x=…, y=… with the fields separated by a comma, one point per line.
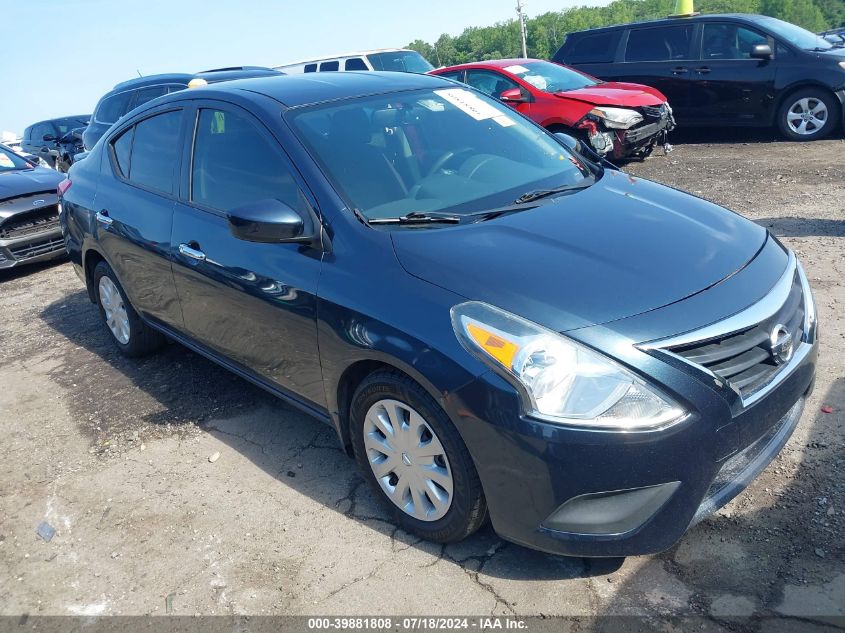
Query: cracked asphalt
x=115, y=455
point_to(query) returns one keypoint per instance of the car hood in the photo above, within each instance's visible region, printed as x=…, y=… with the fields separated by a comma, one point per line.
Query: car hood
x=620, y=248
x=616, y=94
x=23, y=182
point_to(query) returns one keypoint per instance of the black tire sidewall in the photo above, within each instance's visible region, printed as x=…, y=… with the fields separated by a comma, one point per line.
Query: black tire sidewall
x=790, y=100
x=462, y=518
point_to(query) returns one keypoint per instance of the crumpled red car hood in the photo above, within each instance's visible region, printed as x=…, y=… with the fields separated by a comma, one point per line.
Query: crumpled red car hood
x=616, y=94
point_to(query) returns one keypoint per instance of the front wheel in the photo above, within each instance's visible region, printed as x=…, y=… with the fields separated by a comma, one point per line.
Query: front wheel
x=415, y=459
x=808, y=115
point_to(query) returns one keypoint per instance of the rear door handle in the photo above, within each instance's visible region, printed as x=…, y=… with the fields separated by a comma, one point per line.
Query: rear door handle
x=189, y=251
x=703, y=70
x=103, y=218
x=680, y=70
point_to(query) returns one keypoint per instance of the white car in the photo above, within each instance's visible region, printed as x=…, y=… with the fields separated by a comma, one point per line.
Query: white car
x=395, y=59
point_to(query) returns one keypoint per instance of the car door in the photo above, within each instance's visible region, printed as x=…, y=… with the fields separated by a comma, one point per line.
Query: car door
x=494, y=84
x=252, y=303
x=661, y=57
x=728, y=85
x=134, y=210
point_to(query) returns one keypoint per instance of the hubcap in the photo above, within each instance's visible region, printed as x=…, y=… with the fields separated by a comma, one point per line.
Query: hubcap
x=115, y=311
x=408, y=460
x=807, y=116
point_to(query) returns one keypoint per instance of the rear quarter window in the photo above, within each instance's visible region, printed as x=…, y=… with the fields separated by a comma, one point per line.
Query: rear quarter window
x=591, y=48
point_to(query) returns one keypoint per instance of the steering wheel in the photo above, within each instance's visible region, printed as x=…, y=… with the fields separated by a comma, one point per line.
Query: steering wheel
x=447, y=156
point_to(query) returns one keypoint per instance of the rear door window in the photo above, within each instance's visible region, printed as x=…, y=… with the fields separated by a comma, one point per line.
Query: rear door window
x=663, y=43
x=599, y=48
x=329, y=66
x=113, y=107
x=155, y=152
x=235, y=163
x=355, y=63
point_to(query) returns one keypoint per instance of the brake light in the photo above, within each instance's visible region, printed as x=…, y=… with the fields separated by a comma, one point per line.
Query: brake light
x=64, y=186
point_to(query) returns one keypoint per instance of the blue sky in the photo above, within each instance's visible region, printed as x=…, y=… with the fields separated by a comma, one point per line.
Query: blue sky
x=68, y=53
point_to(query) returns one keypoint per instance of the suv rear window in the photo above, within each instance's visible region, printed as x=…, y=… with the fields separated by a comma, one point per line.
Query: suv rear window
x=597, y=48
x=113, y=107
x=659, y=44
x=155, y=151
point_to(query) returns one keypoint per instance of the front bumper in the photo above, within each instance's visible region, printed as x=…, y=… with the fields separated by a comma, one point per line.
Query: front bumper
x=31, y=249
x=643, y=137
x=632, y=493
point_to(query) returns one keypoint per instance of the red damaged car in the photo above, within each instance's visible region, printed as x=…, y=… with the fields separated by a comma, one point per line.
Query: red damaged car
x=621, y=120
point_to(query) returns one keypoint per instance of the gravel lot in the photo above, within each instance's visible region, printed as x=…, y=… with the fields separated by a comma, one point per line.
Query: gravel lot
x=114, y=454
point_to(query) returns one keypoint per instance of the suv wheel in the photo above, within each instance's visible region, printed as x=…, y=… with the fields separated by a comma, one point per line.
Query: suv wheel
x=807, y=115
x=415, y=458
x=132, y=336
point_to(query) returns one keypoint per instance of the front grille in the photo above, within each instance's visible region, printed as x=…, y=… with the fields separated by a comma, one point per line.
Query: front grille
x=653, y=112
x=748, y=360
x=29, y=251
x=30, y=223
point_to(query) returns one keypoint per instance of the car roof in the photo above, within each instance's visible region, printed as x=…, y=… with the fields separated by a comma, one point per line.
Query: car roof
x=494, y=63
x=299, y=90
x=83, y=117
x=322, y=58
x=741, y=17
x=211, y=76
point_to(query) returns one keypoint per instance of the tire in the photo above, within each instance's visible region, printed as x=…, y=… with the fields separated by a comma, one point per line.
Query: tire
x=444, y=522
x=800, y=115
x=129, y=333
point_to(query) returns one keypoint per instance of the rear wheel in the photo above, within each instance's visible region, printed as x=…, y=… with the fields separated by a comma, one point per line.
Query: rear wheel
x=415, y=459
x=807, y=115
x=132, y=336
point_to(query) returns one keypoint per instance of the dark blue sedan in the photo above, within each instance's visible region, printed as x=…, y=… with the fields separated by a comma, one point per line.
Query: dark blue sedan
x=494, y=324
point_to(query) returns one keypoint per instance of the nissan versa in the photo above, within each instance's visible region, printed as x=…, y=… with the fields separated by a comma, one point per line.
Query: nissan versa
x=494, y=324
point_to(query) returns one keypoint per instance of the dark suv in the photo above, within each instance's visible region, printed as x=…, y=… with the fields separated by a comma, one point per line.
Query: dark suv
x=52, y=140
x=128, y=95
x=494, y=324
x=725, y=70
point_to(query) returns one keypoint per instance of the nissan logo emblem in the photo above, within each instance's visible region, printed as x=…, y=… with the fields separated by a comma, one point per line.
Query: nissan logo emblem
x=781, y=344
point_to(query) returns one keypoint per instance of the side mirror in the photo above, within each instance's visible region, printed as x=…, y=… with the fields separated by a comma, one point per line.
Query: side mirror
x=49, y=138
x=513, y=95
x=270, y=221
x=569, y=141
x=762, y=51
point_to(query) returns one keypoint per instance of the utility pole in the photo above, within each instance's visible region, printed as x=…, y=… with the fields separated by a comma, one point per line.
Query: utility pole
x=522, y=27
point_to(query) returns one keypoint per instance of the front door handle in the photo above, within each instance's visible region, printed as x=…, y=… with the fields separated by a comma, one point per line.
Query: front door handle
x=103, y=218
x=189, y=251
x=680, y=70
x=703, y=70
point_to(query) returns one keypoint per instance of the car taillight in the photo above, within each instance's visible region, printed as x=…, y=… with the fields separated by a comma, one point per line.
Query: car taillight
x=64, y=186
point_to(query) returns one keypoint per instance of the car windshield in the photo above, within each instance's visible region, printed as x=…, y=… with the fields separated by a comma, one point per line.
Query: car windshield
x=66, y=125
x=428, y=151
x=550, y=77
x=795, y=35
x=400, y=61
x=9, y=161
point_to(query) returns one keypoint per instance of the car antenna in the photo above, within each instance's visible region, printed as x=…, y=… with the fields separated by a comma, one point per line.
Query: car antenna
x=684, y=9
x=139, y=72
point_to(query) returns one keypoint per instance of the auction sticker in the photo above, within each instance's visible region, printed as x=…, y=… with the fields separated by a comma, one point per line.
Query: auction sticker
x=469, y=103
x=5, y=161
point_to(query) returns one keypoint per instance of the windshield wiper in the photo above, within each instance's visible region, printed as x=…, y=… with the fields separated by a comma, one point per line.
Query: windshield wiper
x=418, y=217
x=529, y=196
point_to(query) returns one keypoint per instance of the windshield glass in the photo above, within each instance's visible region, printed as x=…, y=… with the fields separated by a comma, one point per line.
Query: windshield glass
x=450, y=149
x=9, y=161
x=550, y=77
x=795, y=35
x=400, y=61
x=66, y=125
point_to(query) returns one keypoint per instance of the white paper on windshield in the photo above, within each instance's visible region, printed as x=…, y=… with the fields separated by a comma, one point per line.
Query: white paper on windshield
x=516, y=69
x=469, y=103
x=504, y=121
x=5, y=161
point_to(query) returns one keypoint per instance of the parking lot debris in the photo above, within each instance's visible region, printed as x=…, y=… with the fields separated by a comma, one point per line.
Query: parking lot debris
x=820, y=552
x=168, y=602
x=827, y=409
x=214, y=457
x=45, y=531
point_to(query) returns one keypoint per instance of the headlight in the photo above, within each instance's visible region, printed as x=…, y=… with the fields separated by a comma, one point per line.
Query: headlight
x=619, y=118
x=564, y=381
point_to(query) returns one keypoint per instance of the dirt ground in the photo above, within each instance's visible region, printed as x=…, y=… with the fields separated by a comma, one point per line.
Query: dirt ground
x=114, y=454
